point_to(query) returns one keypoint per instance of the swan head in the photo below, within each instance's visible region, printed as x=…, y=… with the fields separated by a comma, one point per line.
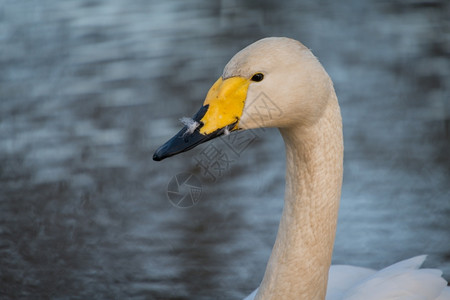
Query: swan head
x=274, y=82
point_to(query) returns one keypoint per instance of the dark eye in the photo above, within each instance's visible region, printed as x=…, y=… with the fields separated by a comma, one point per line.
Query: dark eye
x=258, y=77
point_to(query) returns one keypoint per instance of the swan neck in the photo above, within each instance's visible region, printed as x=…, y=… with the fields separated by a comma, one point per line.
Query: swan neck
x=301, y=257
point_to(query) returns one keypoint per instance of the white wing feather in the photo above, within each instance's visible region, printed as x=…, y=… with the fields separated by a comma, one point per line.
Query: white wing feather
x=401, y=281
x=341, y=278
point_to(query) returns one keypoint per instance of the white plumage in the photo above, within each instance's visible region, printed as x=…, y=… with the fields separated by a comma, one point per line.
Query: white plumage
x=401, y=281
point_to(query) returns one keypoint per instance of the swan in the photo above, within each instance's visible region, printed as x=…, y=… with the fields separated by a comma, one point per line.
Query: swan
x=286, y=73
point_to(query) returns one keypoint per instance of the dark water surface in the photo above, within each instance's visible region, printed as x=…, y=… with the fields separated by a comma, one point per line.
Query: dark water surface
x=89, y=89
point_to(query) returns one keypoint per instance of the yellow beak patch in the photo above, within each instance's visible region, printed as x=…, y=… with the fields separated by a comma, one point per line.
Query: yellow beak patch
x=226, y=100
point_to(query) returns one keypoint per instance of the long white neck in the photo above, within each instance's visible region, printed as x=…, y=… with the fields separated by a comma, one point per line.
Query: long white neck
x=301, y=257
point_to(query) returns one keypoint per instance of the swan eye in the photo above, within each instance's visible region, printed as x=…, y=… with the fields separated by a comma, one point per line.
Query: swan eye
x=258, y=77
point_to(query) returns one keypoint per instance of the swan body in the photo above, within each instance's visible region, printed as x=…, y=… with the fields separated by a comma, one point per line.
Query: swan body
x=308, y=117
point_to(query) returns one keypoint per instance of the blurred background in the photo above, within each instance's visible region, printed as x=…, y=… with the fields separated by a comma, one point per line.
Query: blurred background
x=89, y=89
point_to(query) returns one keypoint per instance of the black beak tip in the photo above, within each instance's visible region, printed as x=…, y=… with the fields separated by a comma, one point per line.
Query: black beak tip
x=164, y=151
x=184, y=141
x=181, y=143
x=157, y=157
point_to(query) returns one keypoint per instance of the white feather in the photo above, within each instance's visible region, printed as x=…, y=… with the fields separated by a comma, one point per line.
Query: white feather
x=190, y=124
x=401, y=281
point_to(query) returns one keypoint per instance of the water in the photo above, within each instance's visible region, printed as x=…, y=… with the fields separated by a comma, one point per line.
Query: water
x=89, y=89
